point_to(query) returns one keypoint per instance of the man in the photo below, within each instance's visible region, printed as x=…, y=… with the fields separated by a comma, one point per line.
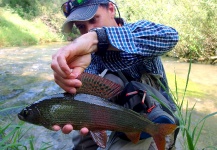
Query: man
x=107, y=43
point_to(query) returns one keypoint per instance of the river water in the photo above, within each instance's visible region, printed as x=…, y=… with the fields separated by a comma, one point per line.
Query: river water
x=26, y=76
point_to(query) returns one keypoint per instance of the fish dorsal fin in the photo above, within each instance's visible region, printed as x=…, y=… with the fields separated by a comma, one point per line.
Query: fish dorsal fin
x=133, y=136
x=98, y=86
x=100, y=137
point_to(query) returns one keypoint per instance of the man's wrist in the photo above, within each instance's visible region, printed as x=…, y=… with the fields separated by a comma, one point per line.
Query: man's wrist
x=94, y=41
x=103, y=42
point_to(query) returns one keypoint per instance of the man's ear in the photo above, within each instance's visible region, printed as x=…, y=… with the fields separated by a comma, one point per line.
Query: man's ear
x=111, y=9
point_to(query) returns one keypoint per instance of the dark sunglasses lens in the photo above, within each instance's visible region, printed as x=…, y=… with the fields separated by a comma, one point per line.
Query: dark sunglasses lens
x=65, y=9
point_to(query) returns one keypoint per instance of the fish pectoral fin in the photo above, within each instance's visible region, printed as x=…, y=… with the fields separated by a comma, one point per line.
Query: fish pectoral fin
x=133, y=136
x=160, y=132
x=100, y=137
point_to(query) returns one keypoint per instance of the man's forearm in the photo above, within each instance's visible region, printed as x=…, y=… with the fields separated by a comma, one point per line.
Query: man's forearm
x=143, y=38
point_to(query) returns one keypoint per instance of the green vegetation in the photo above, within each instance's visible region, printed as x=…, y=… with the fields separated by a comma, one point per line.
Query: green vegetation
x=194, y=89
x=191, y=128
x=12, y=138
x=14, y=133
x=28, y=22
x=194, y=20
x=24, y=22
x=15, y=31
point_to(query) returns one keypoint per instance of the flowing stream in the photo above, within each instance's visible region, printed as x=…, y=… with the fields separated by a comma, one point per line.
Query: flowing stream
x=26, y=76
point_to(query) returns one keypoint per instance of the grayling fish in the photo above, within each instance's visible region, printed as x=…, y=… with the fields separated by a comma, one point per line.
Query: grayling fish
x=95, y=113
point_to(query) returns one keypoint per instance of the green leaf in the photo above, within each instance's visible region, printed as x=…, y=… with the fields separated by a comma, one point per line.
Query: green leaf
x=189, y=140
x=8, y=137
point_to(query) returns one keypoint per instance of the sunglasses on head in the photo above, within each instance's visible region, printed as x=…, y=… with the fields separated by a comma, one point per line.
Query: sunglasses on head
x=69, y=5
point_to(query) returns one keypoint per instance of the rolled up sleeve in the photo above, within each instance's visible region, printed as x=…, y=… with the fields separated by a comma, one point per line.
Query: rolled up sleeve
x=143, y=38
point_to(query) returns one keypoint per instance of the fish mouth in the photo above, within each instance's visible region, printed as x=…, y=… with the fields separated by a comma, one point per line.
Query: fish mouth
x=20, y=117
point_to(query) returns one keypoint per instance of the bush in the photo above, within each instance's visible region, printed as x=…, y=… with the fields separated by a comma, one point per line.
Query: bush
x=14, y=31
x=29, y=9
x=194, y=20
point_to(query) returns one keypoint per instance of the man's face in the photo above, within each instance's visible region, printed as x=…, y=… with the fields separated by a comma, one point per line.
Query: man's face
x=103, y=17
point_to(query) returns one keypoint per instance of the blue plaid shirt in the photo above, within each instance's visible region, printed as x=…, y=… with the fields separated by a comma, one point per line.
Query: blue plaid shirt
x=140, y=46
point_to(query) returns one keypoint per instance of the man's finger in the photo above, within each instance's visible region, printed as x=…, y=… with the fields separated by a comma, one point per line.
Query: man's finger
x=57, y=70
x=84, y=131
x=63, y=64
x=67, y=129
x=56, y=128
x=70, y=86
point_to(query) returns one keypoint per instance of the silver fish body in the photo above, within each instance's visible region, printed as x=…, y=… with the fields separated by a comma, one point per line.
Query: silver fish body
x=90, y=108
x=95, y=113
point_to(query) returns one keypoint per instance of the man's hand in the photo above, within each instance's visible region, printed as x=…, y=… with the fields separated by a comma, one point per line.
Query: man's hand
x=68, y=63
x=68, y=128
x=72, y=60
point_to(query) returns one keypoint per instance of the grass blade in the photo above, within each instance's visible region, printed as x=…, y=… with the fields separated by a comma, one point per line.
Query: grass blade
x=190, y=116
x=188, y=77
x=189, y=140
x=2, y=130
x=203, y=122
x=8, y=137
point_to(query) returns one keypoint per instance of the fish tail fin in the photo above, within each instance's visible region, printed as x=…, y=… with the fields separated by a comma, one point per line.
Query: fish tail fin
x=160, y=134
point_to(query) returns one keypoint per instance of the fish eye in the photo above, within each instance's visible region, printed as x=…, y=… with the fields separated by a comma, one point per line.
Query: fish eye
x=26, y=112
